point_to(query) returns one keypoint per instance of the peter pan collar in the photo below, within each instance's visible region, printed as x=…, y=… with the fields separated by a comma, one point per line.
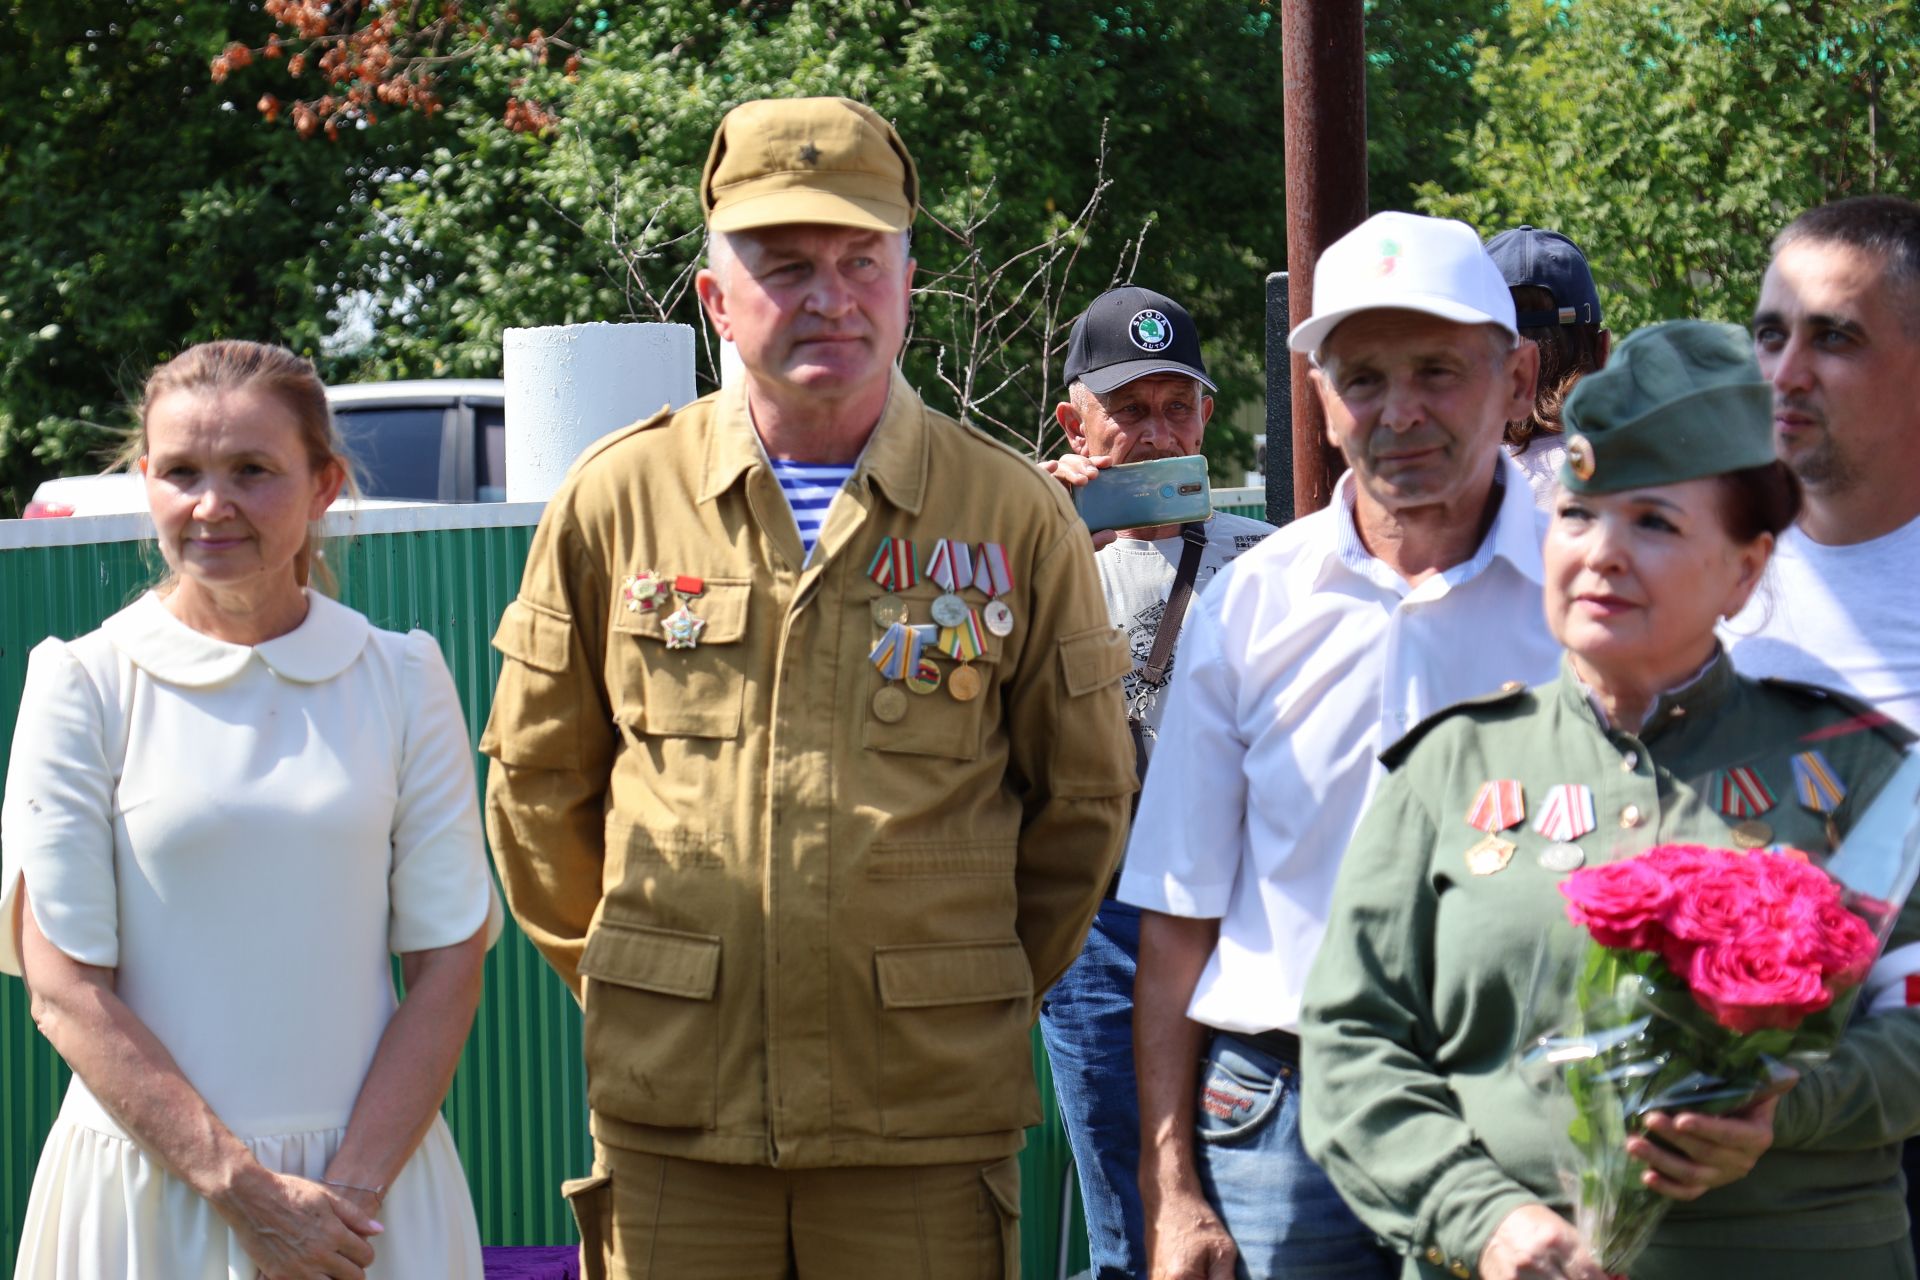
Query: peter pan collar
x=326, y=643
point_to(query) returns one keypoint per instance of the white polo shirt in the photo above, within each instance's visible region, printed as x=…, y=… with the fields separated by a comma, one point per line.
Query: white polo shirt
x=1303, y=661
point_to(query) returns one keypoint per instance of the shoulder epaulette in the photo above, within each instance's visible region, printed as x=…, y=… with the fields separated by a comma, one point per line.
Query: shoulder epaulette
x=1865, y=714
x=1395, y=754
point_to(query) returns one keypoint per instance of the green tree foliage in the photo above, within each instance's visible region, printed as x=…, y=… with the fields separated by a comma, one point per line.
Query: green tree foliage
x=1003, y=103
x=176, y=170
x=1421, y=57
x=142, y=208
x=1673, y=140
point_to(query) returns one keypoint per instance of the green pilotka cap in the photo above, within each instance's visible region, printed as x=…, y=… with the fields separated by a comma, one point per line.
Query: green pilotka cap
x=1678, y=400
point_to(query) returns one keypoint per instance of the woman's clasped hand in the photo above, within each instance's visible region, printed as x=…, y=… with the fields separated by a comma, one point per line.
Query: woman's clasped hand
x=297, y=1229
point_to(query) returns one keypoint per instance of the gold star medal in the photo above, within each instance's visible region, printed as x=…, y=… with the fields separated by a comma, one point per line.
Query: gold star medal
x=683, y=626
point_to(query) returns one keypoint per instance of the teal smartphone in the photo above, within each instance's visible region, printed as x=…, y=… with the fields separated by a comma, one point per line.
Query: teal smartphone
x=1140, y=495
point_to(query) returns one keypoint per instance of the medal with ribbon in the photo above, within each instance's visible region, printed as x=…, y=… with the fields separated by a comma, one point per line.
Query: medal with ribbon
x=1818, y=787
x=893, y=565
x=951, y=568
x=923, y=674
x=889, y=657
x=1499, y=805
x=1740, y=793
x=1567, y=813
x=897, y=654
x=951, y=564
x=682, y=626
x=964, y=643
x=993, y=575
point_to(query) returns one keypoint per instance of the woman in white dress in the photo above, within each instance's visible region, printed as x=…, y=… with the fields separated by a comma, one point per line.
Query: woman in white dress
x=224, y=810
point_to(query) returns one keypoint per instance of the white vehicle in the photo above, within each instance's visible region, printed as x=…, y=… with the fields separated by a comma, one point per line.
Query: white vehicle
x=115, y=493
x=432, y=440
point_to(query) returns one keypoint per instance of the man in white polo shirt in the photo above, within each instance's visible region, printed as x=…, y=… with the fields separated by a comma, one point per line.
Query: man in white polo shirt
x=1417, y=587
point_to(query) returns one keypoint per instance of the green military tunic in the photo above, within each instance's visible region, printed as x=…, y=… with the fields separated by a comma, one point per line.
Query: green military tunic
x=1415, y=1005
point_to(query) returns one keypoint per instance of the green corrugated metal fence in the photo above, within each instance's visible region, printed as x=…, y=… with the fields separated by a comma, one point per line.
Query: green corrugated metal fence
x=518, y=1104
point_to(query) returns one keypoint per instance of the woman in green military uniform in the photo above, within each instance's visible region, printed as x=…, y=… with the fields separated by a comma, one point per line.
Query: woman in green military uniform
x=1671, y=499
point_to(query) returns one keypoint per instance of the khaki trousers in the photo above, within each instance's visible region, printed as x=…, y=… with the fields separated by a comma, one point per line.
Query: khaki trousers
x=648, y=1217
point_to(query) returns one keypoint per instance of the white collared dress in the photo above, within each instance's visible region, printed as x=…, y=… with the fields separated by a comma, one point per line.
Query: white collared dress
x=245, y=835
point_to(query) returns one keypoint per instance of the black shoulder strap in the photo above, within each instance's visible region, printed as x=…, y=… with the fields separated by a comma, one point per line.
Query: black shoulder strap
x=1195, y=537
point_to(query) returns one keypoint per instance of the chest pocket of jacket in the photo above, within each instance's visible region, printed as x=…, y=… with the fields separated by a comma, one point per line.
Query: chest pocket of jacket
x=934, y=724
x=694, y=692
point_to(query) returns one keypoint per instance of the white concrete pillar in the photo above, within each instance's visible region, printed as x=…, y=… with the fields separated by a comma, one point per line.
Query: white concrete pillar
x=568, y=385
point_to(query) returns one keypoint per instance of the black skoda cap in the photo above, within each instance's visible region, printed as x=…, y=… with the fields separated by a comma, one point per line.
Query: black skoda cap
x=1129, y=333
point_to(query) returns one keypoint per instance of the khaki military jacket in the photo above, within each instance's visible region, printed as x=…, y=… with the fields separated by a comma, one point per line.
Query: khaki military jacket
x=809, y=925
x=1415, y=1004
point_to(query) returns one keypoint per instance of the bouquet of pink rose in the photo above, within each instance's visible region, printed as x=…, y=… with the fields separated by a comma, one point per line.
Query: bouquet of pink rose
x=1710, y=972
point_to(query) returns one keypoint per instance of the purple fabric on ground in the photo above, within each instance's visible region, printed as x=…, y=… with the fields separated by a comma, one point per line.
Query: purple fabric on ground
x=533, y=1264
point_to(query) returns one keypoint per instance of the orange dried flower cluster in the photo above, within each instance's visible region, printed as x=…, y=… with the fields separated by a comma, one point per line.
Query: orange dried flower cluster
x=370, y=55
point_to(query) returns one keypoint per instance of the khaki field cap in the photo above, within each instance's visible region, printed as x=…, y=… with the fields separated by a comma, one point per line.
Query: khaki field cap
x=1678, y=401
x=819, y=160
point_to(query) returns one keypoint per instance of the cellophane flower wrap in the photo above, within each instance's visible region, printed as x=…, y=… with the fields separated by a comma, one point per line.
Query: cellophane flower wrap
x=1709, y=976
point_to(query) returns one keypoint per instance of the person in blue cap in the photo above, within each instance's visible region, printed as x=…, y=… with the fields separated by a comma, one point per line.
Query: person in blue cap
x=1558, y=309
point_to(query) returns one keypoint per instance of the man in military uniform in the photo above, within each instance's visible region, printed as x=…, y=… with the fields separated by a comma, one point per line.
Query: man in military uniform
x=807, y=776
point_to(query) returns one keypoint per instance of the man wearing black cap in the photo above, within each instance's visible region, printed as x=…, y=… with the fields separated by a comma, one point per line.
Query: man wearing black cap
x=1136, y=390
x=1559, y=309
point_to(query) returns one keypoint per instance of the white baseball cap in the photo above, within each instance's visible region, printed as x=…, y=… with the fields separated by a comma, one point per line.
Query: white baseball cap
x=1405, y=262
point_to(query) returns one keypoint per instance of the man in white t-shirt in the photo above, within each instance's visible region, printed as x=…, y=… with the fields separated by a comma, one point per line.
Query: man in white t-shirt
x=1418, y=586
x=1837, y=332
x=1136, y=390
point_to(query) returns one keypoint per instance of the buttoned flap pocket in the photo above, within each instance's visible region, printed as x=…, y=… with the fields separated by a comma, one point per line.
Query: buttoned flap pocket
x=652, y=1024
x=536, y=636
x=677, y=684
x=955, y=1056
x=534, y=721
x=1094, y=658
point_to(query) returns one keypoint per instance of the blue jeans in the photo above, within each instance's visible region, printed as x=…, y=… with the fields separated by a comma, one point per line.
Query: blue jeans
x=1285, y=1217
x=1087, y=1024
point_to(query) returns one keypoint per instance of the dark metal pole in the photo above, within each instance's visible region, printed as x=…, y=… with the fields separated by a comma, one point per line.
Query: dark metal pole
x=1323, y=66
x=1278, y=466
